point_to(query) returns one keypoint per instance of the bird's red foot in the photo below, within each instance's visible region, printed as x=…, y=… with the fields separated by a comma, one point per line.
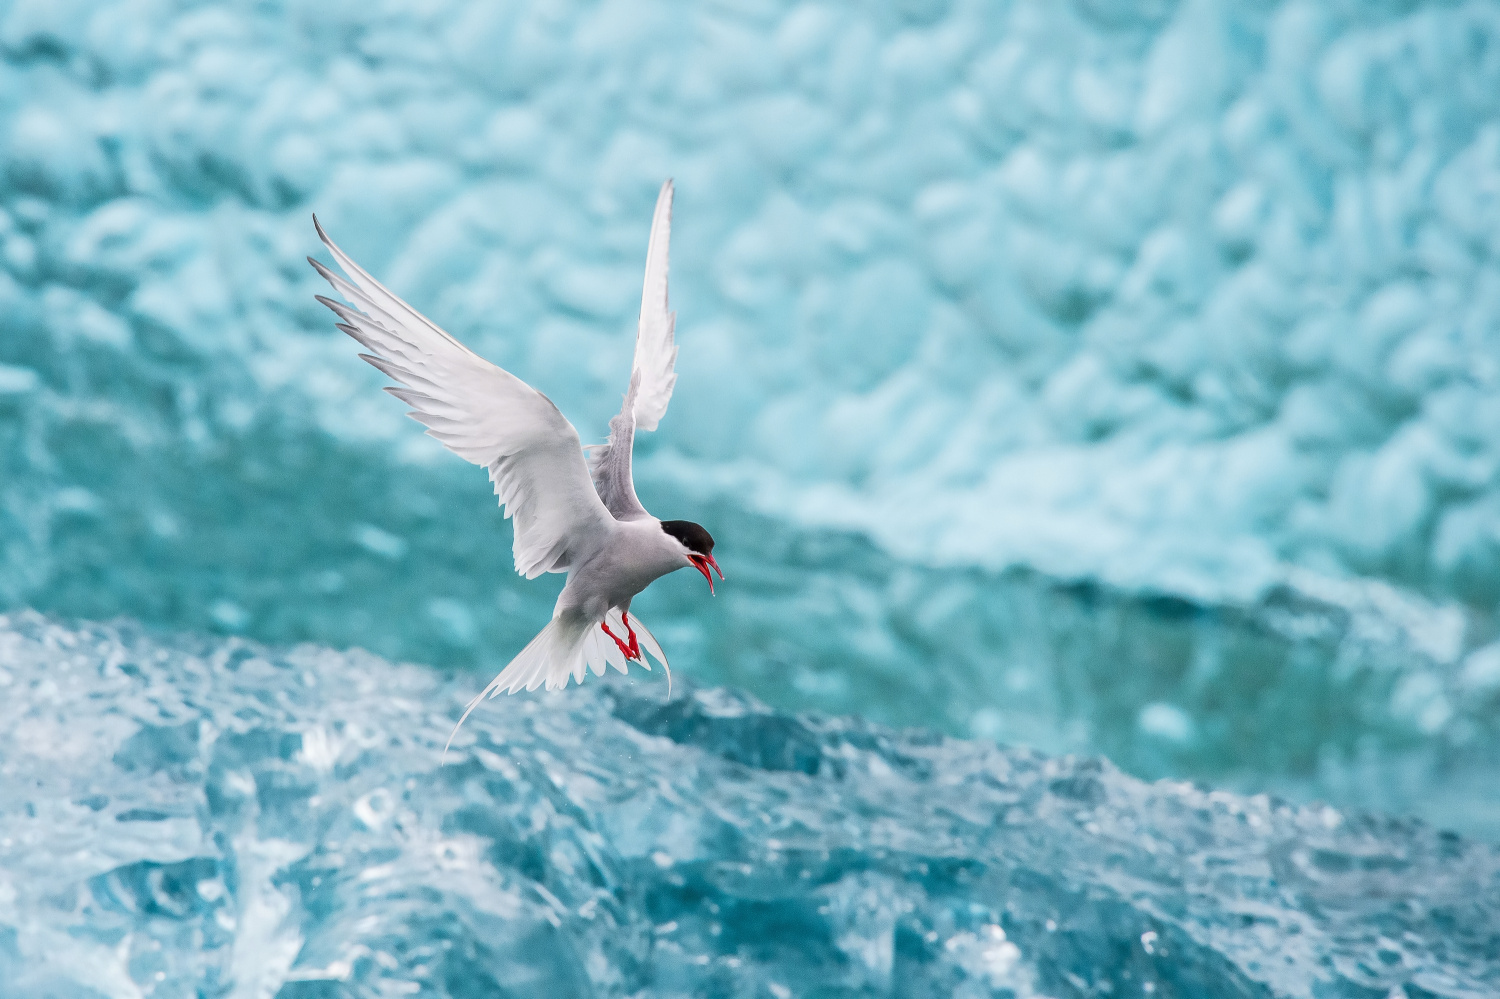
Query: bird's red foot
x=635, y=645
x=625, y=650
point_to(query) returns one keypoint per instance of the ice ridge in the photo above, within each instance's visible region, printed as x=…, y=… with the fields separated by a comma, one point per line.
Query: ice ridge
x=191, y=816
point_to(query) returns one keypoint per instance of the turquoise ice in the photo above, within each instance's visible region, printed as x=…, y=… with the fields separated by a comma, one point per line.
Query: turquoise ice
x=1115, y=378
x=1099, y=376
x=207, y=817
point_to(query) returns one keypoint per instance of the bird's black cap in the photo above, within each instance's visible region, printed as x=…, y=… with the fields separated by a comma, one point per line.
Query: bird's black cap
x=693, y=537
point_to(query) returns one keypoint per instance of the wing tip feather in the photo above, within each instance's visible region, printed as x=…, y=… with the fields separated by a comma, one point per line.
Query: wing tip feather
x=338, y=308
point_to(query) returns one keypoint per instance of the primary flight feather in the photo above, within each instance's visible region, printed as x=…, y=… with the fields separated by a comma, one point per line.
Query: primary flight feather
x=571, y=515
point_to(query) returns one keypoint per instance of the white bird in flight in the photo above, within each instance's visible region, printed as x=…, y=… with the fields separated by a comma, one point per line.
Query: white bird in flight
x=597, y=532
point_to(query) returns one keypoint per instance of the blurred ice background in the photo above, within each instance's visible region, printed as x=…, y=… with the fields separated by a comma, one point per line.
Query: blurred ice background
x=1116, y=377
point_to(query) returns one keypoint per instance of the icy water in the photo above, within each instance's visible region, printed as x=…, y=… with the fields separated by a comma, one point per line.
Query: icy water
x=210, y=818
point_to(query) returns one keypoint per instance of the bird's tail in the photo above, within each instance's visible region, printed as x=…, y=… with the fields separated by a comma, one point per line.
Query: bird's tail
x=568, y=648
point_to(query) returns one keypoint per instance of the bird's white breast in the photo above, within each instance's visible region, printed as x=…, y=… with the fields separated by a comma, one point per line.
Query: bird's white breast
x=635, y=554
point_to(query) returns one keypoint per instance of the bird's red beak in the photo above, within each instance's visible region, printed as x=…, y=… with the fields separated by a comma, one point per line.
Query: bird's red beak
x=701, y=563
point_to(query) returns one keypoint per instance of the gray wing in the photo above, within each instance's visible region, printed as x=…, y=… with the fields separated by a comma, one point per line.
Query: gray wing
x=480, y=412
x=652, y=375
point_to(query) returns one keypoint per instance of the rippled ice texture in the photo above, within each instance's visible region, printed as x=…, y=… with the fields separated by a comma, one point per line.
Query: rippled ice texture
x=1195, y=302
x=197, y=818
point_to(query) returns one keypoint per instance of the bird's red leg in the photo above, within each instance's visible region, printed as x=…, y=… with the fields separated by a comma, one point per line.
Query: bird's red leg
x=635, y=645
x=624, y=649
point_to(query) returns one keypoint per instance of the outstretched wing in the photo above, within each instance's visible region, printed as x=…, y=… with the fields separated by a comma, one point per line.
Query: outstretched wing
x=481, y=413
x=652, y=375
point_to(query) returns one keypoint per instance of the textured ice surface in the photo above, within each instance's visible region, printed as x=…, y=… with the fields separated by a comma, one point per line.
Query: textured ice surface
x=1164, y=293
x=1182, y=299
x=211, y=818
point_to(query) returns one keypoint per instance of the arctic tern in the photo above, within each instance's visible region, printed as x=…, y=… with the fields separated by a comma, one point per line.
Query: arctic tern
x=597, y=532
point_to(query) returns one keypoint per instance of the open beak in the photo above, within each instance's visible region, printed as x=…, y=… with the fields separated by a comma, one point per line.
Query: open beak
x=701, y=563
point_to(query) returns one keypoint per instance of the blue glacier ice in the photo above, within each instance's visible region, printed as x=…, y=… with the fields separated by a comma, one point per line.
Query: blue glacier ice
x=209, y=817
x=1104, y=376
